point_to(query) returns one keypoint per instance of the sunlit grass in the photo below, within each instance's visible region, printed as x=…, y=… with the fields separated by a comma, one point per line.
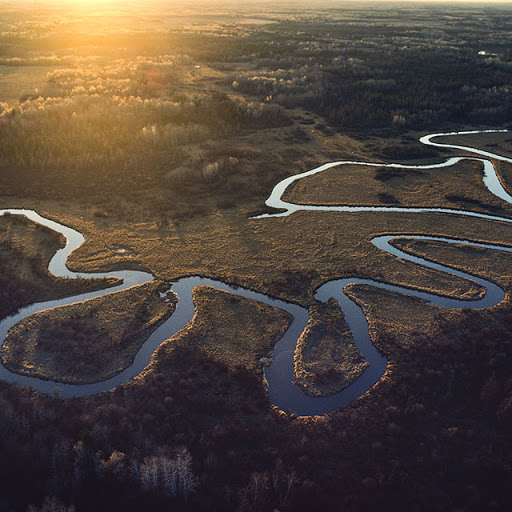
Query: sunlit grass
x=120, y=88
x=86, y=127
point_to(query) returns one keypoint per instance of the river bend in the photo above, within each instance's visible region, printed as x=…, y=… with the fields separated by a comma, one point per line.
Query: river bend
x=279, y=376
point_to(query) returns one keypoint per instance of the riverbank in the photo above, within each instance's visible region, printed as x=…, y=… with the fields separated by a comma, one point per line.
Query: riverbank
x=280, y=373
x=89, y=341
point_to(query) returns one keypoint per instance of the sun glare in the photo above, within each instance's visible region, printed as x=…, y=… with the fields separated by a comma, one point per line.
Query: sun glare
x=93, y=5
x=96, y=6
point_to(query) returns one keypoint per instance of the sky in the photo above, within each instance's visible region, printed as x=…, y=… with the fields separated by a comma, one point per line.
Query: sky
x=310, y=3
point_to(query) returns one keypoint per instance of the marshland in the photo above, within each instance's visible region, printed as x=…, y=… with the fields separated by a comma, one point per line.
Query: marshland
x=158, y=132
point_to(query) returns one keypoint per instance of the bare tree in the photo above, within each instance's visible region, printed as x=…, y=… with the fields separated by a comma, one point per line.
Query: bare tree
x=168, y=476
x=51, y=504
x=149, y=477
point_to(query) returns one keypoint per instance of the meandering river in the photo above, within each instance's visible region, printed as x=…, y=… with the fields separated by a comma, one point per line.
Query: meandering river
x=280, y=374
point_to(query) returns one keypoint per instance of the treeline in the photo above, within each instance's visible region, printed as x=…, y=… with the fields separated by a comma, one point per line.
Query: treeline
x=84, y=130
x=127, y=450
x=197, y=435
x=364, y=76
x=405, y=90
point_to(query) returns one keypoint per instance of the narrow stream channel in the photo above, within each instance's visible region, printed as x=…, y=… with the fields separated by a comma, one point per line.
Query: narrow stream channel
x=279, y=375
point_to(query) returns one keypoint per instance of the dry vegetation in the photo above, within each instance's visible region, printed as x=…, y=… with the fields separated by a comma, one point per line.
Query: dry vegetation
x=88, y=341
x=157, y=137
x=252, y=253
x=491, y=264
x=326, y=358
x=395, y=320
x=25, y=251
x=459, y=187
x=230, y=330
x=498, y=143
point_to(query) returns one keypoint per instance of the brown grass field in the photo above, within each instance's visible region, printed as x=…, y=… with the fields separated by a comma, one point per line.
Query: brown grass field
x=232, y=331
x=134, y=152
x=26, y=250
x=290, y=257
x=88, y=341
x=159, y=132
x=326, y=359
x=458, y=187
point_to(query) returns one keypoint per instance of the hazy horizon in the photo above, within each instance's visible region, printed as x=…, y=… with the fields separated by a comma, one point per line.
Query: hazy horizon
x=321, y=3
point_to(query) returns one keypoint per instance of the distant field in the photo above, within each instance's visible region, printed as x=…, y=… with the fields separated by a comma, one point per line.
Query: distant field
x=16, y=82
